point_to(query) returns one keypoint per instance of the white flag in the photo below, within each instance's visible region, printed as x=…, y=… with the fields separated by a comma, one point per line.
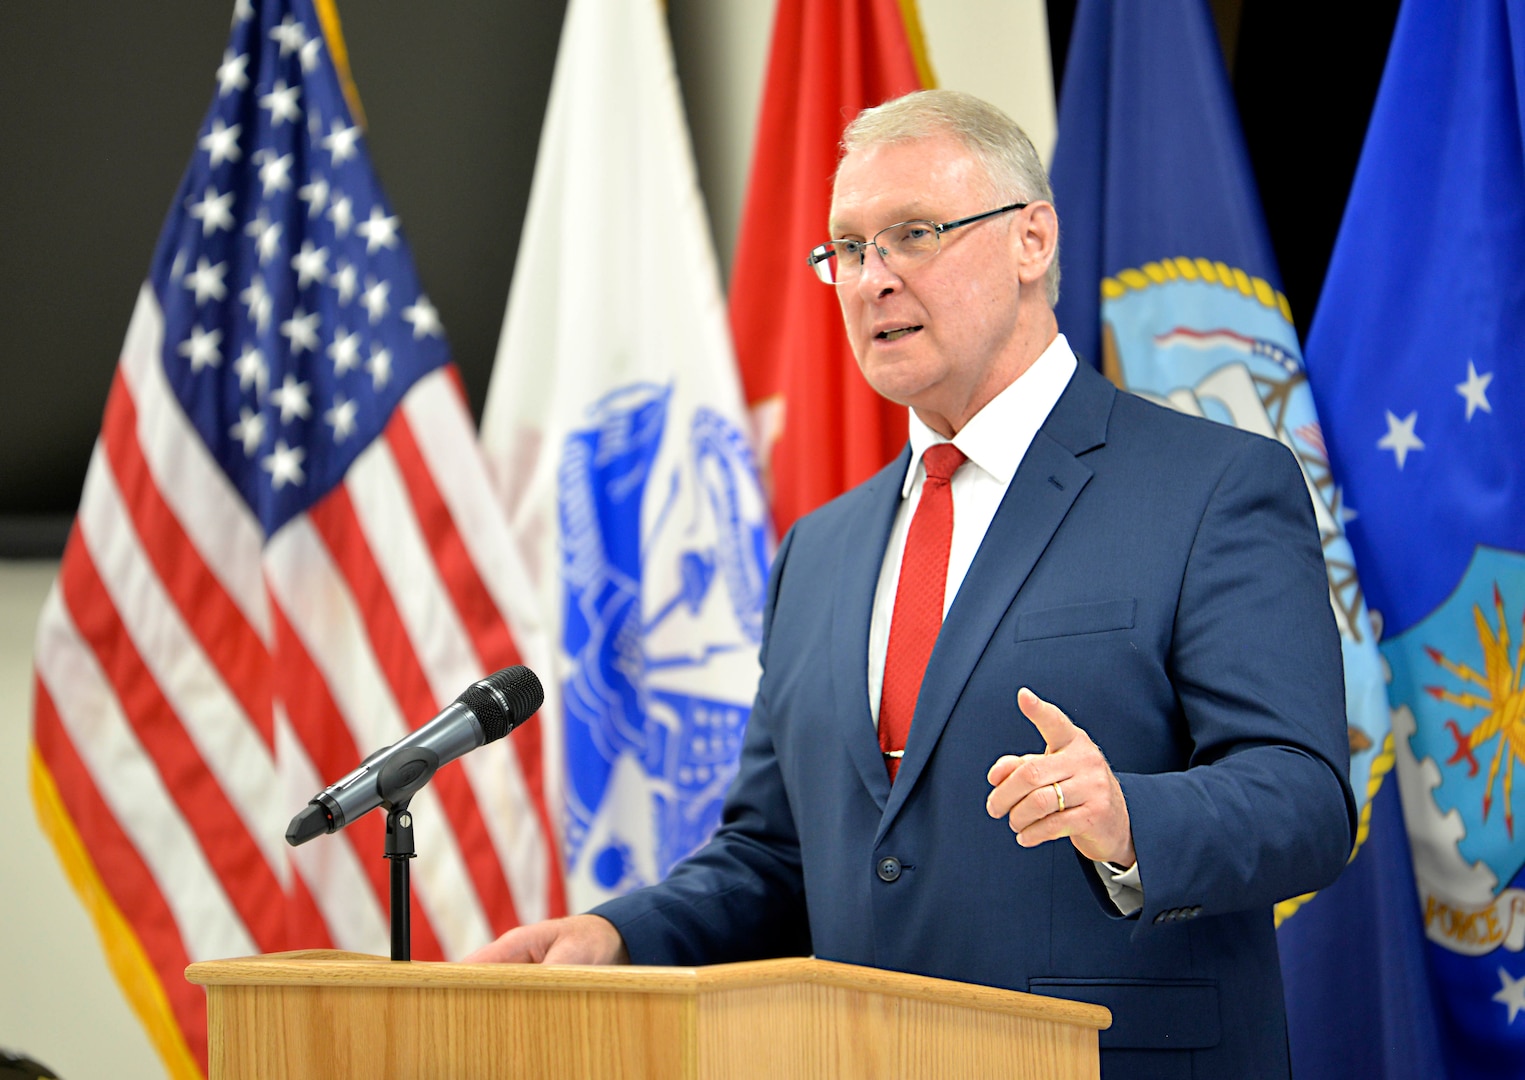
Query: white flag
x=614, y=426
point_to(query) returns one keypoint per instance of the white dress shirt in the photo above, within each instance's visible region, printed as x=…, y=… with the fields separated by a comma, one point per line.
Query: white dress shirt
x=994, y=441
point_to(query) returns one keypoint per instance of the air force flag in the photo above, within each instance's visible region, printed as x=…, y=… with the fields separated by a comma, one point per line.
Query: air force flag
x=614, y=424
x=1417, y=363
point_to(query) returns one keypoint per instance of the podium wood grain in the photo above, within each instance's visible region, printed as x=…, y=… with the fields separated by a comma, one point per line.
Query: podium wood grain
x=337, y=1015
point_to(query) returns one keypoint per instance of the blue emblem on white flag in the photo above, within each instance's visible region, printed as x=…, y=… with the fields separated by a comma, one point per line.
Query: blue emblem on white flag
x=616, y=430
x=652, y=736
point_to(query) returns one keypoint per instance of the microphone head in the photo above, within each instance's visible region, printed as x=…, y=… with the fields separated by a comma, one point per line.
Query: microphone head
x=503, y=700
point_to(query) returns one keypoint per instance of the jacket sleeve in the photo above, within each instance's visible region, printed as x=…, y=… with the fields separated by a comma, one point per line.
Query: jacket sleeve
x=1264, y=810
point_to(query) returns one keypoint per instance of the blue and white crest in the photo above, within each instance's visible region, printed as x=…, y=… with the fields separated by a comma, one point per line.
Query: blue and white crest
x=664, y=561
x=1212, y=341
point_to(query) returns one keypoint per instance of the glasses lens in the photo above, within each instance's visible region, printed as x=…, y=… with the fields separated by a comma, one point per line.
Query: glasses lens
x=910, y=240
x=824, y=261
x=837, y=260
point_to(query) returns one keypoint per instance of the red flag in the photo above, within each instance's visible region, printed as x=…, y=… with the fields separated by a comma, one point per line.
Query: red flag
x=821, y=429
x=287, y=554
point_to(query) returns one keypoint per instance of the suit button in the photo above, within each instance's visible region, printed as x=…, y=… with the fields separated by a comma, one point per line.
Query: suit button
x=888, y=868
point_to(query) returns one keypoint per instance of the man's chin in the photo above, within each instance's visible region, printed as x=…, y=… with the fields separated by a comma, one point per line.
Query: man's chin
x=895, y=373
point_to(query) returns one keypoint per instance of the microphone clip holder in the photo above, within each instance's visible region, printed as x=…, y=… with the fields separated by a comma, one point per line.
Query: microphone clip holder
x=399, y=781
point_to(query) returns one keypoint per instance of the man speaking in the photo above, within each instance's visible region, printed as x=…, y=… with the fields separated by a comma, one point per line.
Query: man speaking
x=1055, y=701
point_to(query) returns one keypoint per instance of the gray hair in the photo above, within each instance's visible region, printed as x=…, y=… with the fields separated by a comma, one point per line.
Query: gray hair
x=997, y=143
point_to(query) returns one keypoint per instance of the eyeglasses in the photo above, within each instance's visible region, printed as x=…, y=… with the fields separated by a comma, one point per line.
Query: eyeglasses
x=906, y=244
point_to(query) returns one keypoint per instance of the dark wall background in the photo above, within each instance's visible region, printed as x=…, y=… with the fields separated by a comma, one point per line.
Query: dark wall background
x=102, y=101
x=1305, y=77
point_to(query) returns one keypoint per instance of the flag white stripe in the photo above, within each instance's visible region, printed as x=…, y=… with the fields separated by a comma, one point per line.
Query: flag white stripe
x=443, y=433
x=449, y=660
x=497, y=779
x=317, y=602
x=131, y=787
x=445, y=652
x=212, y=718
x=214, y=516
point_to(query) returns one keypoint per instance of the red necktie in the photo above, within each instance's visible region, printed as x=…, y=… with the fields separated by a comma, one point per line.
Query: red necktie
x=918, y=601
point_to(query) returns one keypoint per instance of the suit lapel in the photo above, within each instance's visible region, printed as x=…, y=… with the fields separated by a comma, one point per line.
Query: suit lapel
x=859, y=557
x=1041, y=493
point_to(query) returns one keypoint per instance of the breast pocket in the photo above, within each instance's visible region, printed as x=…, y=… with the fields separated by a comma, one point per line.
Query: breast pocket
x=1097, y=617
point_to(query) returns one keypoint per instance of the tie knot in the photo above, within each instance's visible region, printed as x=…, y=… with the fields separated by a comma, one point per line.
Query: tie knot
x=942, y=461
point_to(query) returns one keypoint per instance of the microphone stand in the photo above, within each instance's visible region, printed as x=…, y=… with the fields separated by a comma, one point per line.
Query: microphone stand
x=399, y=849
x=399, y=781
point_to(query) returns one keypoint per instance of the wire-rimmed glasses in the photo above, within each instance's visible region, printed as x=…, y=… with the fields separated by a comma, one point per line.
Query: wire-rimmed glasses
x=903, y=244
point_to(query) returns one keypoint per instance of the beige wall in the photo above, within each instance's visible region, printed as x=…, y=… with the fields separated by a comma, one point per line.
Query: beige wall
x=58, y=1002
x=57, y=999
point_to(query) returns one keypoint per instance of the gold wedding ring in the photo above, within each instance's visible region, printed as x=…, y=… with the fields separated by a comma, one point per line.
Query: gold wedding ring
x=1058, y=794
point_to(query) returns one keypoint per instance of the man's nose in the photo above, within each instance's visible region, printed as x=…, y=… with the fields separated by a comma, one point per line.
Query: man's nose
x=877, y=276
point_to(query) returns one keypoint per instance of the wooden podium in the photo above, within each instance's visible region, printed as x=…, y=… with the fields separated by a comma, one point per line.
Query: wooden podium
x=336, y=1015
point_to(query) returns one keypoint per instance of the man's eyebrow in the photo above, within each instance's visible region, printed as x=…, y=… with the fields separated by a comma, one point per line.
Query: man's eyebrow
x=904, y=213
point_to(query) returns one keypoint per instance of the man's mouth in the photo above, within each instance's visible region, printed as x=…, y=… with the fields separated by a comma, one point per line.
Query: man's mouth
x=896, y=335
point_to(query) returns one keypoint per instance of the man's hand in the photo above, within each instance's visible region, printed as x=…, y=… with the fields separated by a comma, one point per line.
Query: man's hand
x=577, y=939
x=1093, y=815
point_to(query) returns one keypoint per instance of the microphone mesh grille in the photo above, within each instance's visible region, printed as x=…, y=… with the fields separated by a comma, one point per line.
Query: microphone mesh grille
x=518, y=685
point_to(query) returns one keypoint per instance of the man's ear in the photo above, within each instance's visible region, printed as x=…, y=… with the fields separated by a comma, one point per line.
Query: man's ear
x=1037, y=241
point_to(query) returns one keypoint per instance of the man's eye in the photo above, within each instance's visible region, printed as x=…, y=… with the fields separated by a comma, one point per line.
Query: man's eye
x=850, y=249
x=915, y=234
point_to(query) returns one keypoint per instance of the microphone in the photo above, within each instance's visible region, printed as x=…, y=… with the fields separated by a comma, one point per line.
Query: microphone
x=488, y=710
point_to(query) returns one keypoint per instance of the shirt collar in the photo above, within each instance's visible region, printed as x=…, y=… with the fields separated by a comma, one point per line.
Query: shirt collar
x=997, y=437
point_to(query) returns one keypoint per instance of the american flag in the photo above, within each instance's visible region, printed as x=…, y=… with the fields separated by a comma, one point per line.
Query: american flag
x=287, y=554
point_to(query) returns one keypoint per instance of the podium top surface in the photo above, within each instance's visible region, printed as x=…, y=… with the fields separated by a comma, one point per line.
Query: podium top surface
x=331, y=968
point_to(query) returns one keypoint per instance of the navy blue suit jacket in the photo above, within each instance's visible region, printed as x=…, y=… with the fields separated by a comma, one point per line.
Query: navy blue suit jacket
x=1160, y=579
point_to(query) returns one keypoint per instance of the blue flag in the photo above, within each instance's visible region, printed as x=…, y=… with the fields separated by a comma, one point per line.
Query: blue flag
x=1416, y=359
x=1171, y=289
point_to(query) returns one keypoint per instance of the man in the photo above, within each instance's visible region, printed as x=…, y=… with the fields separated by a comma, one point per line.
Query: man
x=1137, y=666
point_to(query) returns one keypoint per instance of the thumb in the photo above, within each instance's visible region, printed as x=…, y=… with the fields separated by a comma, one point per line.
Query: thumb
x=1056, y=728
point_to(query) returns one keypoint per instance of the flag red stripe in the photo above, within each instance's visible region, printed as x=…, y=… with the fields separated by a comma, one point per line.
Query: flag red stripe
x=318, y=724
x=468, y=596
x=304, y=923
x=485, y=625
x=231, y=644
x=123, y=874
x=226, y=844
x=336, y=522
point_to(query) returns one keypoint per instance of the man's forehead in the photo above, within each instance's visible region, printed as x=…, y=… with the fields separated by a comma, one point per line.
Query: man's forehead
x=899, y=181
